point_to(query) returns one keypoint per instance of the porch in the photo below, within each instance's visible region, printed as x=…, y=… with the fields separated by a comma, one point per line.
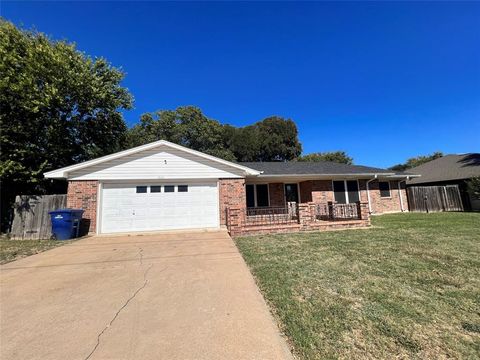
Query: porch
x=296, y=217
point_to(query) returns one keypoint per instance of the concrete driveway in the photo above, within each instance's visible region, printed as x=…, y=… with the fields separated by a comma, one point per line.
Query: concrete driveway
x=169, y=296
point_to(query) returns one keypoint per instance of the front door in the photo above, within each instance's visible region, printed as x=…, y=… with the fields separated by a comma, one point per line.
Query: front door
x=291, y=193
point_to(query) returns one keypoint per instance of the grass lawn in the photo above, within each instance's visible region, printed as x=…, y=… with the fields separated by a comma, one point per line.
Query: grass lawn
x=15, y=249
x=409, y=287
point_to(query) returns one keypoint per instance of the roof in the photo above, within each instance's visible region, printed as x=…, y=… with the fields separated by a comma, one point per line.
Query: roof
x=63, y=172
x=315, y=168
x=448, y=167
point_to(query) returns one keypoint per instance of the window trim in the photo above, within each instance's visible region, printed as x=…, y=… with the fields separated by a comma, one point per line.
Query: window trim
x=186, y=187
x=141, y=186
x=389, y=190
x=255, y=203
x=346, y=190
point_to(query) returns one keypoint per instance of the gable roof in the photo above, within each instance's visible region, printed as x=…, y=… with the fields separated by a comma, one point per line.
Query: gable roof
x=63, y=172
x=448, y=167
x=316, y=168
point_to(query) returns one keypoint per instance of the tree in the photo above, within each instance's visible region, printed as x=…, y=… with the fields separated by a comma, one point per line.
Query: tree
x=272, y=139
x=186, y=126
x=58, y=106
x=340, y=157
x=473, y=186
x=416, y=161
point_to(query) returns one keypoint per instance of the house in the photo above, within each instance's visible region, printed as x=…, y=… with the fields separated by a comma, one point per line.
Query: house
x=162, y=186
x=443, y=183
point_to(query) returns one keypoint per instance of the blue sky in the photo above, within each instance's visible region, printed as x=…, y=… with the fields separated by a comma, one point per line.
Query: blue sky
x=382, y=81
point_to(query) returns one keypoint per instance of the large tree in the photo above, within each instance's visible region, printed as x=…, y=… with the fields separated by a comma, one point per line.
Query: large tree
x=416, y=161
x=272, y=139
x=186, y=126
x=58, y=106
x=340, y=157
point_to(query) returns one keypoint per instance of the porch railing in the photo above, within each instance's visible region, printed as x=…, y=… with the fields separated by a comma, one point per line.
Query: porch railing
x=332, y=212
x=272, y=215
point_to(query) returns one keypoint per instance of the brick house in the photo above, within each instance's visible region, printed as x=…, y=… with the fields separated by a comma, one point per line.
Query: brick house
x=164, y=186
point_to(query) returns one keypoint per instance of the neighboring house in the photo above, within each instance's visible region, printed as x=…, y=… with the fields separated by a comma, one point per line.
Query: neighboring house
x=162, y=186
x=448, y=172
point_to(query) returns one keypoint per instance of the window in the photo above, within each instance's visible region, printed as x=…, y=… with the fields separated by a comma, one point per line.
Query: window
x=169, y=188
x=141, y=189
x=250, y=190
x=291, y=193
x=346, y=191
x=182, y=188
x=384, y=187
x=155, y=189
x=257, y=195
x=262, y=195
x=352, y=189
x=339, y=192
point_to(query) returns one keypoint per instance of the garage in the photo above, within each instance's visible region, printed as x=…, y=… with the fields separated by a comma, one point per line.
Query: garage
x=154, y=187
x=131, y=207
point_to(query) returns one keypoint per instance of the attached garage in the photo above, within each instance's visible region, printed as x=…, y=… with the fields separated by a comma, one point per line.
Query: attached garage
x=153, y=187
x=152, y=206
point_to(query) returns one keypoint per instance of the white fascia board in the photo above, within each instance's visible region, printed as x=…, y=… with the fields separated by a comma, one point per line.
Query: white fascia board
x=63, y=172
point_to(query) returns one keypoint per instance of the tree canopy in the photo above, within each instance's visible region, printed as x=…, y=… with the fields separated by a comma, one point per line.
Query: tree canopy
x=272, y=139
x=340, y=157
x=416, y=161
x=58, y=106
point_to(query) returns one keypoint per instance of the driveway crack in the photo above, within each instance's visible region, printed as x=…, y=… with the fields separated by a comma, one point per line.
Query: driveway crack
x=145, y=282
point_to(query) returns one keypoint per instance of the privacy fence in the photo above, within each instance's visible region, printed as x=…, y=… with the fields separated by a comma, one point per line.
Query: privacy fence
x=434, y=198
x=31, y=220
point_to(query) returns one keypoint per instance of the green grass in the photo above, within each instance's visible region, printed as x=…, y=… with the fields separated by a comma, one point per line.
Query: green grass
x=11, y=250
x=409, y=287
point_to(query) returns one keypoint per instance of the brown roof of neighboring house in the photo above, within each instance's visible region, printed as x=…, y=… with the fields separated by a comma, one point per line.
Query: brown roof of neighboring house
x=446, y=168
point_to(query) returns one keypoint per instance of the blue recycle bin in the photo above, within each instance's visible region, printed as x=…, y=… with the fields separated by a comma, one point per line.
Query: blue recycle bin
x=66, y=223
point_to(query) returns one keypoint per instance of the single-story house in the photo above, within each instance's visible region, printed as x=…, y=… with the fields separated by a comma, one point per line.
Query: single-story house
x=444, y=178
x=164, y=186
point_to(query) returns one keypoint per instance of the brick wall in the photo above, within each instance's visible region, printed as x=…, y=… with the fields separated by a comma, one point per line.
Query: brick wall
x=276, y=191
x=322, y=191
x=390, y=204
x=232, y=195
x=83, y=195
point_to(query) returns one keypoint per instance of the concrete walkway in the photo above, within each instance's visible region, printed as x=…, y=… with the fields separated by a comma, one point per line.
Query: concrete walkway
x=168, y=296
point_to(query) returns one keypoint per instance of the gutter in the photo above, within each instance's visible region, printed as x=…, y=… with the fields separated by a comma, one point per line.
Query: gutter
x=400, y=192
x=368, y=193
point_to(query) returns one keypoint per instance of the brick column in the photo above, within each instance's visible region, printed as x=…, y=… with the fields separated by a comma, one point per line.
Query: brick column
x=363, y=212
x=305, y=216
x=82, y=194
x=235, y=220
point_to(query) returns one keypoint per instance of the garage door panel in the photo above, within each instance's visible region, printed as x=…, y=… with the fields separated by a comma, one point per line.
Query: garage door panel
x=124, y=210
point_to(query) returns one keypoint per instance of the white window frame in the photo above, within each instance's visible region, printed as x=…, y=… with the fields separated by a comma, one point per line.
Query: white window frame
x=255, y=194
x=389, y=189
x=346, y=189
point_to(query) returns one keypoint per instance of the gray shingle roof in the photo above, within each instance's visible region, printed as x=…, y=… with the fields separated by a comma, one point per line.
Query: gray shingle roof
x=449, y=167
x=312, y=168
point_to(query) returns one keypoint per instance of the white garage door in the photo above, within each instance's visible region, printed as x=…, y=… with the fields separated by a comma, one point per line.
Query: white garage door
x=158, y=206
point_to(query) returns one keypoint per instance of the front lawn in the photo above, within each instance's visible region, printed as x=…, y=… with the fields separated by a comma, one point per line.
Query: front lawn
x=15, y=249
x=409, y=287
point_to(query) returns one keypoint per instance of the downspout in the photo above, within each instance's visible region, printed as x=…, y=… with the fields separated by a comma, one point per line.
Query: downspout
x=400, y=192
x=368, y=194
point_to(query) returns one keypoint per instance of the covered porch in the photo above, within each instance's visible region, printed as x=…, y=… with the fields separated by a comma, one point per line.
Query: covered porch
x=310, y=204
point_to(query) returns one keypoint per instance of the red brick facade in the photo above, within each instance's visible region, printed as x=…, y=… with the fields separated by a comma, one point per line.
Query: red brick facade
x=381, y=205
x=321, y=191
x=231, y=194
x=83, y=195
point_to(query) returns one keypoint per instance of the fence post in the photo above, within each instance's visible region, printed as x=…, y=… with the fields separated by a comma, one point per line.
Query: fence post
x=363, y=213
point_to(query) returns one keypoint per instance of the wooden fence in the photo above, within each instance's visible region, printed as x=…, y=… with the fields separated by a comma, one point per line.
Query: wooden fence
x=434, y=198
x=31, y=220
